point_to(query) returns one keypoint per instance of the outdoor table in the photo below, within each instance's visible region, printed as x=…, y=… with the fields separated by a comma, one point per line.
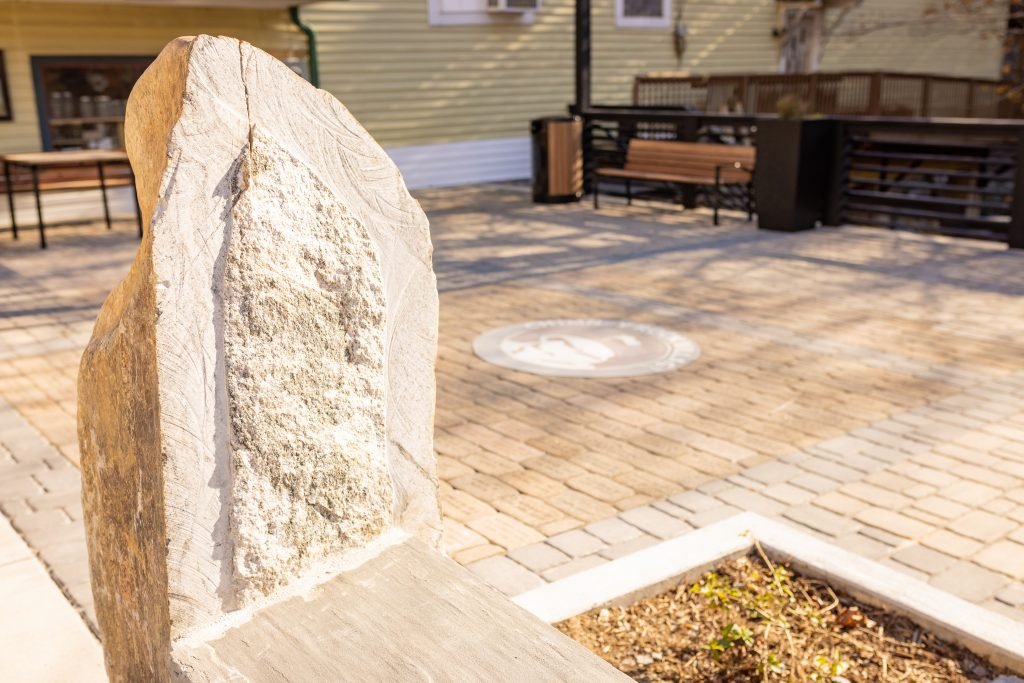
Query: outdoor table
x=36, y=161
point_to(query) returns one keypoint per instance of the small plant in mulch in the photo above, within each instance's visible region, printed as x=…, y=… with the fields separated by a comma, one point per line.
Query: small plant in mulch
x=754, y=620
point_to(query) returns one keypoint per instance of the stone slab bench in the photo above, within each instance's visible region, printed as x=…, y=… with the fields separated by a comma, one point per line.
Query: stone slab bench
x=407, y=615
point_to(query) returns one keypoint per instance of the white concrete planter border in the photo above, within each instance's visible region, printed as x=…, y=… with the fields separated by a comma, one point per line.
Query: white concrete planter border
x=647, y=572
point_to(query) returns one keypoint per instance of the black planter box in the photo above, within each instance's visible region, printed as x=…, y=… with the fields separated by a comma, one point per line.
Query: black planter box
x=794, y=168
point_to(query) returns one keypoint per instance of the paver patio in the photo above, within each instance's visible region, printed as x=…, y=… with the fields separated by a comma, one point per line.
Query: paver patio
x=864, y=385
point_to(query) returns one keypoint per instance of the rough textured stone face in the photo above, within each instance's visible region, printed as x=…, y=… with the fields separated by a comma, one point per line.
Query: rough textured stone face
x=257, y=398
x=304, y=315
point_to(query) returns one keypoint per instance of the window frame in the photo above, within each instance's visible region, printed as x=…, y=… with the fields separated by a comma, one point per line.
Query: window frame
x=623, y=21
x=39, y=64
x=436, y=16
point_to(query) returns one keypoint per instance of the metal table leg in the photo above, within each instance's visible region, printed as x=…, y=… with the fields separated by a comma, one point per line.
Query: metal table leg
x=39, y=206
x=10, y=199
x=103, y=192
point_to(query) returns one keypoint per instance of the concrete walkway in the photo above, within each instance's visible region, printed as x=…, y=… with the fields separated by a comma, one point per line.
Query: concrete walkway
x=44, y=638
x=861, y=384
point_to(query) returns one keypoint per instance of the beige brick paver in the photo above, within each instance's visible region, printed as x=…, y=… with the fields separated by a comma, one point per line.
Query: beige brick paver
x=613, y=531
x=654, y=522
x=1006, y=557
x=923, y=559
x=970, y=581
x=573, y=567
x=458, y=537
x=751, y=500
x=695, y=501
x=840, y=503
x=631, y=546
x=952, y=544
x=483, y=486
x=505, y=531
x=539, y=557
x=529, y=510
x=969, y=493
x=601, y=488
x=892, y=522
x=577, y=543
x=941, y=507
x=820, y=520
x=982, y=526
x=788, y=493
x=463, y=507
x=533, y=483
x=582, y=506
x=875, y=495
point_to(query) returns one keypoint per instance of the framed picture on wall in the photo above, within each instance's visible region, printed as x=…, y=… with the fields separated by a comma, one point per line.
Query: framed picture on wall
x=5, y=98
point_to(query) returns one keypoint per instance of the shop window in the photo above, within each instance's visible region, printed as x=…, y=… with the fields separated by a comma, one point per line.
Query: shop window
x=5, y=99
x=81, y=100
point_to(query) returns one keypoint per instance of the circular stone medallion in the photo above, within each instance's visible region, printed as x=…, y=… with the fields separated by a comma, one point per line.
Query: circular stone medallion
x=585, y=348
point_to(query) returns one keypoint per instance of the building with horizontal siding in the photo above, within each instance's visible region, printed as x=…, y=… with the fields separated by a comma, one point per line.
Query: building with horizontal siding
x=448, y=87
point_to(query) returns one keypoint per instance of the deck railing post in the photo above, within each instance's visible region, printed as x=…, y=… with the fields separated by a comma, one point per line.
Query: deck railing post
x=833, y=210
x=587, y=152
x=1015, y=230
x=875, y=95
x=688, y=130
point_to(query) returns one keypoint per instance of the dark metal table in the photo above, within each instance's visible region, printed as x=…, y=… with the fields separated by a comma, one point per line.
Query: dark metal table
x=34, y=162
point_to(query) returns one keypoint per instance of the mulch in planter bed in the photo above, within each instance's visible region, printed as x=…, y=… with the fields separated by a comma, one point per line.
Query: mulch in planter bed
x=752, y=620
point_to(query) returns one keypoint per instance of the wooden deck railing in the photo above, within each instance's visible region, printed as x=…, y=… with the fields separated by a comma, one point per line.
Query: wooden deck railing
x=832, y=94
x=940, y=175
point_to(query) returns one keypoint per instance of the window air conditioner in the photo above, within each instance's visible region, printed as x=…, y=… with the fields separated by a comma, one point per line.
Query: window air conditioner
x=512, y=5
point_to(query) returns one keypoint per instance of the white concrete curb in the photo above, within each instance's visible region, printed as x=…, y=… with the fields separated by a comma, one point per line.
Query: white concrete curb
x=651, y=570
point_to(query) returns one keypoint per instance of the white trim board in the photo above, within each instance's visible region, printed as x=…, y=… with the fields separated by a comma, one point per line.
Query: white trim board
x=993, y=636
x=463, y=163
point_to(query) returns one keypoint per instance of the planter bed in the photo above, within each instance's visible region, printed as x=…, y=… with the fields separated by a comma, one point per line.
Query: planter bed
x=753, y=620
x=643, y=589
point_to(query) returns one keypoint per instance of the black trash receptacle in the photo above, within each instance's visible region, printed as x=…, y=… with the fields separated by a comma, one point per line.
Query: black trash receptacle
x=557, y=159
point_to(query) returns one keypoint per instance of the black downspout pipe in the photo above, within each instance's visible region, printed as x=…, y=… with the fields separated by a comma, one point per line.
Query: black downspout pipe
x=314, y=59
x=582, y=57
x=581, y=107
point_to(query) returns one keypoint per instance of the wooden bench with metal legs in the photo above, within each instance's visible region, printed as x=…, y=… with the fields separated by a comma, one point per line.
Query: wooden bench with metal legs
x=684, y=163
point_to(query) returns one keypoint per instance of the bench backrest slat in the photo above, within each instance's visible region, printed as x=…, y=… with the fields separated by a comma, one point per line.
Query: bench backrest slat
x=690, y=158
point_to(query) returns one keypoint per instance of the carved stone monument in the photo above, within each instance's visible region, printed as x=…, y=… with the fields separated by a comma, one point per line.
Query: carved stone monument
x=256, y=403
